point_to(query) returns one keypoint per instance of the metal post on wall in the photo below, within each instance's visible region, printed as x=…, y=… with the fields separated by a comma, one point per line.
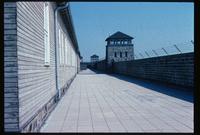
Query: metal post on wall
x=155, y=52
x=135, y=56
x=165, y=51
x=192, y=42
x=141, y=55
x=147, y=54
x=177, y=48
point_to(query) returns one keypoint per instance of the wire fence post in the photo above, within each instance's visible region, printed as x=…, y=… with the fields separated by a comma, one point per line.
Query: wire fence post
x=141, y=55
x=147, y=54
x=135, y=55
x=165, y=51
x=177, y=48
x=155, y=52
x=192, y=42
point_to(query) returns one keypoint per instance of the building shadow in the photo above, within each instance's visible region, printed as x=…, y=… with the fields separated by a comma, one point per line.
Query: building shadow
x=168, y=89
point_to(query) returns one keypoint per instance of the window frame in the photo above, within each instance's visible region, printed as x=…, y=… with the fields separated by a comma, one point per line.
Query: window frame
x=126, y=54
x=66, y=49
x=115, y=54
x=46, y=35
x=60, y=46
x=68, y=54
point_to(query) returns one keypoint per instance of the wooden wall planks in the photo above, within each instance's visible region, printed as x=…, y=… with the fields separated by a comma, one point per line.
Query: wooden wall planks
x=30, y=87
x=36, y=82
x=11, y=104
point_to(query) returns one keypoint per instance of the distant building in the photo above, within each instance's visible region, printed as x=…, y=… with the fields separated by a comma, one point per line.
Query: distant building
x=84, y=65
x=94, y=58
x=119, y=48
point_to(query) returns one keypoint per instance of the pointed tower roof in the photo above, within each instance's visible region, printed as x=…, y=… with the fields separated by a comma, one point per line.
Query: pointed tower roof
x=119, y=35
x=94, y=56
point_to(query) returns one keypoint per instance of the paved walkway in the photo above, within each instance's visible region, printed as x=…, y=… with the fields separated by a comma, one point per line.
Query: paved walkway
x=104, y=103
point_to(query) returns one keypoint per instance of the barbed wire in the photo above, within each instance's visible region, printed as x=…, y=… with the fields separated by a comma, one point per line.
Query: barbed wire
x=178, y=48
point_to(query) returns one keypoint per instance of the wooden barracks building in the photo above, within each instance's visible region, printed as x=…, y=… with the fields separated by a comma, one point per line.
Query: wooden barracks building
x=41, y=58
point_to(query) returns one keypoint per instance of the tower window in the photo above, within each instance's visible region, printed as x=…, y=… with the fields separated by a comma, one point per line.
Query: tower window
x=120, y=54
x=126, y=54
x=115, y=54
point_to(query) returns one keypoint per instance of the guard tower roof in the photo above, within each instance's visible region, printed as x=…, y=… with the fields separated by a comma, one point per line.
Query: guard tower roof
x=119, y=35
x=94, y=56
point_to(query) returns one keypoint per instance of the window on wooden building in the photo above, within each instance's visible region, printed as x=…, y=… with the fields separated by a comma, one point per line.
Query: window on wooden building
x=62, y=50
x=46, y=34
x=72, y=58
x=65, y=51
x=68, y=54
x=60, y=46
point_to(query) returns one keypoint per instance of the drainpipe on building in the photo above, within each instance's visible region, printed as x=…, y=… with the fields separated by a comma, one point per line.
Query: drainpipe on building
x=56, y=44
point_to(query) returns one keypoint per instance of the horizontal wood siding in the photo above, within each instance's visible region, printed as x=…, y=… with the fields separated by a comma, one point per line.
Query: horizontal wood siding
x=177, y=69
x=30, y=86
x=36, y=82
x=11, y=104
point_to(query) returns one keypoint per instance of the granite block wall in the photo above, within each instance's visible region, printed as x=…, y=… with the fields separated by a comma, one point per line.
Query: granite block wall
x=101, y=65
x=175, y=69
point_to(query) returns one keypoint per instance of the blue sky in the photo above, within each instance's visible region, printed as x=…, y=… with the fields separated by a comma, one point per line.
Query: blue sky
x=153, y=25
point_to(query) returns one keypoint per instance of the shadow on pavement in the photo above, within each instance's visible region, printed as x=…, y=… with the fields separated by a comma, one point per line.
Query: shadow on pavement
x=171, y=90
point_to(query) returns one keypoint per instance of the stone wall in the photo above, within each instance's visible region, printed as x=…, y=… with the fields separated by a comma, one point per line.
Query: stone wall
x=112, y=49
x=101, y=65
x=174, y=69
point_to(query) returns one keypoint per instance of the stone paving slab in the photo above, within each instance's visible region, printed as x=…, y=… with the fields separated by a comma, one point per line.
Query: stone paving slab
x=105, y=103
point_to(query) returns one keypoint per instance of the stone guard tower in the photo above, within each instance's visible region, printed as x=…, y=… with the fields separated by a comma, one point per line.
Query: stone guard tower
x=119, y=48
